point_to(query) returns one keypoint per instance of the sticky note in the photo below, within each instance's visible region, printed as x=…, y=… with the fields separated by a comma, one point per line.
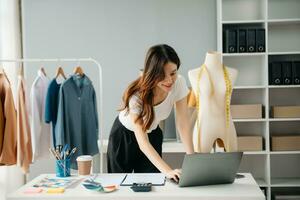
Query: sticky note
x=55, y=190
x=33, y=190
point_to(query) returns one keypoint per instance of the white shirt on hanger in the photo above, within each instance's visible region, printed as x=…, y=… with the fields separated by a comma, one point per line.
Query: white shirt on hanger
x=40, y=131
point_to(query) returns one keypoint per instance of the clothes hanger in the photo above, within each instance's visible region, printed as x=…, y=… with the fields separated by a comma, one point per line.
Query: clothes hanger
x=2, y=72
x=78, y=70
x=21, y=70
x=60, y=71
x=43, y=71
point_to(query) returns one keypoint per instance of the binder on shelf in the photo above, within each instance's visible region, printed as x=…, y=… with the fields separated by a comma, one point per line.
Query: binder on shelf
x=296, y=72
x=230, y=41
x=242, y=40
x=251, y=40
x=286, y=68
x=275, y=74
x=260, y=40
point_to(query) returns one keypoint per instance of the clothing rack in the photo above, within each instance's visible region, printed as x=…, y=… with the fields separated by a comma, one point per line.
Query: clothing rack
x=100, y=106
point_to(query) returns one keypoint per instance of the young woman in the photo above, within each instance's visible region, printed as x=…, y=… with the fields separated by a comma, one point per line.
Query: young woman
x=135, y=141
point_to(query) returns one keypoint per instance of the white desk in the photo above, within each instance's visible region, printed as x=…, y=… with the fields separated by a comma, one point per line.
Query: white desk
x=242, y=189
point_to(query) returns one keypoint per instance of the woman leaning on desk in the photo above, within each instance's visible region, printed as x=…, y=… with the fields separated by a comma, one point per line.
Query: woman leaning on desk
x=135, y=141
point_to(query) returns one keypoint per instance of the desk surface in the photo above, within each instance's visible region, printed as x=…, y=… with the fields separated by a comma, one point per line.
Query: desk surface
x=242, y=189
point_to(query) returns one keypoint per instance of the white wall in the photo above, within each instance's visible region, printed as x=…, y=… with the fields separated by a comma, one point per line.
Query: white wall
x=118, y=34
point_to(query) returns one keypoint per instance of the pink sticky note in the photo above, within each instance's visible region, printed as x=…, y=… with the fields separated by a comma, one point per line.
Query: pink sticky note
x=33, y=190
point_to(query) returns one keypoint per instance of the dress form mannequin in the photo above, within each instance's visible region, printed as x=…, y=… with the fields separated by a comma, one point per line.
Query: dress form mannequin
x=213, y=123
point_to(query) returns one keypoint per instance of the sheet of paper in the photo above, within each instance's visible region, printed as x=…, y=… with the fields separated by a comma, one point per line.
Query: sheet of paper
x=110, y=179
x=154, y=178
x=54, y=182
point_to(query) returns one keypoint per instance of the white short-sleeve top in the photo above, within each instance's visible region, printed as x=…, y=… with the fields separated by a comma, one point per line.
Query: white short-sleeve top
x=161, y=111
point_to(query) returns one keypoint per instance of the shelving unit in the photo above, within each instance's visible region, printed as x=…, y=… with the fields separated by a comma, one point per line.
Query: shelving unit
x=274, y=171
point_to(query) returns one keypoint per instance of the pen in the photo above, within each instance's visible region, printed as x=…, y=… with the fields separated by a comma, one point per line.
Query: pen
x=57, y=155
x=64, y=151
x=72, y=152
x=54, y=153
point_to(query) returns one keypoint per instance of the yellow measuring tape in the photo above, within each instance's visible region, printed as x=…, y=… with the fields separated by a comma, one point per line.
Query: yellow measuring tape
x=227, y=95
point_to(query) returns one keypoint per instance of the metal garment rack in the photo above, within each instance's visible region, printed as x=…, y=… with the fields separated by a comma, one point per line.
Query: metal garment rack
x=100, y=106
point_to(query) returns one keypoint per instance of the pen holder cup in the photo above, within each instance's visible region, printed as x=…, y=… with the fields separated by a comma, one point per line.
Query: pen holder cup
x=63, y=168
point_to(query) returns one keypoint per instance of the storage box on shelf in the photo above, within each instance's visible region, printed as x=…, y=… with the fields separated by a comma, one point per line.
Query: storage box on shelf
x=285, y=143
x=252, y=136
x=246, y=111
x=285, y=111
x=247, y=105
x=285, y=136
x=250, y=143
x=280, y=100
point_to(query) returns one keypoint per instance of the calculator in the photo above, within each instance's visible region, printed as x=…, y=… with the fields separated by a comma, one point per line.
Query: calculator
x=141, y=187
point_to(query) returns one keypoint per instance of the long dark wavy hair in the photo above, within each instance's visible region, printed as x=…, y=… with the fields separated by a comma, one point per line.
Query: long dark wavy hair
x=157, y=57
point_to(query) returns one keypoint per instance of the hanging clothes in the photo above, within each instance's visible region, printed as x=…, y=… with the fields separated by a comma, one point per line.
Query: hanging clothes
x=8, y=153
x=24, y=149
x=51, y=106
x=40, y=131
x=77, y=120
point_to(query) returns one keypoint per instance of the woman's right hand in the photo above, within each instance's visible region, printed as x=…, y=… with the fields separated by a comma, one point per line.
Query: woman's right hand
x=174, y=174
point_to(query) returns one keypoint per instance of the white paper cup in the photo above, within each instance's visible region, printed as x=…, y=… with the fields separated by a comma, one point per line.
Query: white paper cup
x=84, y=163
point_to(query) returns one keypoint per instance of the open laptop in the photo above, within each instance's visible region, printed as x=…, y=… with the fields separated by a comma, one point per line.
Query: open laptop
x=209, y=168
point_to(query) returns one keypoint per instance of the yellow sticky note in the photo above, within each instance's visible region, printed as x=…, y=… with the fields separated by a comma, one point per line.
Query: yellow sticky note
x=55, y=190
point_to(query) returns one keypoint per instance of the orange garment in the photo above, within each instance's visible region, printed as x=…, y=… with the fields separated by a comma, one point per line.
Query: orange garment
x=8, y=155
x=24, y=150
x=191, y=99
